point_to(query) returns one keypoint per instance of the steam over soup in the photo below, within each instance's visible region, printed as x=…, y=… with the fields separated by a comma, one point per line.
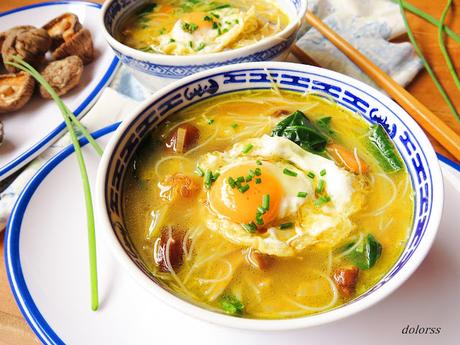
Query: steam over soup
x=184, y=27
x=268, y=205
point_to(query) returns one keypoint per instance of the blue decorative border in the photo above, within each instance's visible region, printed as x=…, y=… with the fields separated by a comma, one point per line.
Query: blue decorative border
x=25, y=157
x=12, y=254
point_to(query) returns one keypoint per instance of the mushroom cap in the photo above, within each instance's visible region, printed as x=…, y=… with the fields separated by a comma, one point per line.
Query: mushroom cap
x=62, y=75
x=15, y=91
x=62, y=28
x=80, y=44
x=30, y=43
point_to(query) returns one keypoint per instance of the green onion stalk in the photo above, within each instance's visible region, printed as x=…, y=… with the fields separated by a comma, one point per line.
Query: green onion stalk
x=442, y=44
x=70, y=119
x=427, y=65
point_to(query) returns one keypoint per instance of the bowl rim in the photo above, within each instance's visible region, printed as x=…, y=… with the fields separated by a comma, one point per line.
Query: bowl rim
x=200, y=59
x=186, y=307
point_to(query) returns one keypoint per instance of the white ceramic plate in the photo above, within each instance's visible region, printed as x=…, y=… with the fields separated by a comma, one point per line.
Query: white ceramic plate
x=32, y=129
x=47, y=263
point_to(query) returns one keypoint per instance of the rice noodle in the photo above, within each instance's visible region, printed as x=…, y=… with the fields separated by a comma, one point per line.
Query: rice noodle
x=353, y=247
x=358, y=161
x=389, y=202
x=202, y=144
x=226, y=276
x=168, y=158
x=311, y=308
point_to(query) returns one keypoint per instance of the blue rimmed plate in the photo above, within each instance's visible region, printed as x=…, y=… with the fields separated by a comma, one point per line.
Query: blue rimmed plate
x=47, y=264
x=29, y=131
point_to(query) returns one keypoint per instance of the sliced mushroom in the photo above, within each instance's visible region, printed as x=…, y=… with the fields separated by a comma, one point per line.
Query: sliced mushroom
x=62, y=28
x=30, y=43
x=62, y=75
x=80, y=44
x=15, y=91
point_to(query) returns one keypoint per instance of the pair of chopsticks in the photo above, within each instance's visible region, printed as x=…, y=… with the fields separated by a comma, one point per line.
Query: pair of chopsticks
x=420, y=113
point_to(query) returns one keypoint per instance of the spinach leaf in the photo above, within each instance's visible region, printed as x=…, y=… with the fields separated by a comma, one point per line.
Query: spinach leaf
x=383, y=150
x=367, y=253
x=299, y=129
x=324, y=124
x=231, y=305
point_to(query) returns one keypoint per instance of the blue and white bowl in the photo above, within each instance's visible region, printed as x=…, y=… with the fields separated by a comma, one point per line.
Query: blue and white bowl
x=169, y=67
x=373, y=106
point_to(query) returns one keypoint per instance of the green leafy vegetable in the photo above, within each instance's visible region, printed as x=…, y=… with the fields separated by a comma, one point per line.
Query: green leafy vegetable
x=324, y=124
x=366, y=254
x=383, y=150
x=231, y=305
x=299, y=129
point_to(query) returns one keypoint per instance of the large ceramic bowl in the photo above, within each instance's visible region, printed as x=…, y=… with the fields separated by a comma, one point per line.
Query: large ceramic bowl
x=169, y=67
x=372, y=105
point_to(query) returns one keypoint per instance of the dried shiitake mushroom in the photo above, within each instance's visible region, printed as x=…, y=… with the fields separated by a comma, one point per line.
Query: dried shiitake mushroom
x=80, y=44
x=15, y=91
x=62, y=28
x=62, y=75
x=30, y=43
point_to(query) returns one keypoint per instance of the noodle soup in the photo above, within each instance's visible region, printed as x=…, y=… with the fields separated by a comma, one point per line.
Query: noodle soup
x=186, y=27
x=268, y=205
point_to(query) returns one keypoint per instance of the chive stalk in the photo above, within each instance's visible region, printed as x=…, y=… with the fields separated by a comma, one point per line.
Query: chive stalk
x=288, y=172
x=427, y=65
x=442, y=44
x=68, y=119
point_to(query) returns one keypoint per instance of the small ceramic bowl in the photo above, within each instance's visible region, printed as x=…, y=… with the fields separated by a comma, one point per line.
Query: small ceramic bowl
x=373, y=106
x=169, y=67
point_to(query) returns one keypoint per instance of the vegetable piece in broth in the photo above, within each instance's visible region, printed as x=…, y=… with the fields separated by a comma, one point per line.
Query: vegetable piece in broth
x=383, y=150
x=299, y=129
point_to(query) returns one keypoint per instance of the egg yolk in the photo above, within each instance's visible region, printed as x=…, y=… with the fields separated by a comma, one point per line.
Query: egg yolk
x=198, y=19
x=241, y=207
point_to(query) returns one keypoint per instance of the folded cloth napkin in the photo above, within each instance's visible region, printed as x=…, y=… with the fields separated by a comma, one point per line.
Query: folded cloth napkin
x=366, y=24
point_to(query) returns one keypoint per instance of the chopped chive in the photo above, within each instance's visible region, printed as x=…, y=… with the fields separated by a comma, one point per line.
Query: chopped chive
x=322, y=172
x=311, y=174
x=215, y=176
x=231, y=182
x=322, y=200
x=259, y=220
x=266, y=201
x=248, y=178
x=288, y=172
x=258, y=172
x=199, y=171
x=261, y=210
x=258, y=180
x=258, y=162
x=208, y=179
x=234, y=125
x=247, y=148
x=243, y=188
x=302, y=194
x=250, y=227
x=210, y=121
x=320, y=187
x=207, y=18
x=240, y=179
x=286, y=226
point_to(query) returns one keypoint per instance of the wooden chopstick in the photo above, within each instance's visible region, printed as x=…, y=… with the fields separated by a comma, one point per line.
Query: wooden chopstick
x=425, y=118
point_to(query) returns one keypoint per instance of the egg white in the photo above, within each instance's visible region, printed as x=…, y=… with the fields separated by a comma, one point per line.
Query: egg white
x=326, y=224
